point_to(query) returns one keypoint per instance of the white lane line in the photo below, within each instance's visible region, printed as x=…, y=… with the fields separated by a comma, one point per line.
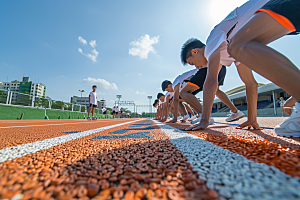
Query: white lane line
x=9, y=153
x=51, y=120
x=232, y=175
x=48, y=124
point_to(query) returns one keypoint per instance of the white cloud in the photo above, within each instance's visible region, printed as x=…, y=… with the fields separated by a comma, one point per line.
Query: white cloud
x=93, y=43
x=101, y=83
x=83, y=41
x=93, y=56
x=140, y=92
x=140, y=74
x=101, y=93
x=143, y=46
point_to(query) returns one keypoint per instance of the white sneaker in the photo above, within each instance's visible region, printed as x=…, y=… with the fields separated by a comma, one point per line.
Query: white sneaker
x=196, y=120
x=235, y=116
x=192, y=118
x=179, y=118
x=291, y=126
x=211, y=121
x=185, y=117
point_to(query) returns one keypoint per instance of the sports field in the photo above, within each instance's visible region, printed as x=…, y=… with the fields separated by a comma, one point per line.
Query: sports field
x=145, y=159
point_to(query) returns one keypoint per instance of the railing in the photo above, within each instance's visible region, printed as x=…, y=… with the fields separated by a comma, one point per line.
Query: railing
x=13, y=98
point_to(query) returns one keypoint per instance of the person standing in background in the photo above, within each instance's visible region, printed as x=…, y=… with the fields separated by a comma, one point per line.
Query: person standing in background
x=281, y=103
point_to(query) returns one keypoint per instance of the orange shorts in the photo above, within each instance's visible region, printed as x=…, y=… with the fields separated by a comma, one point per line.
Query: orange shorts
x=285, y=22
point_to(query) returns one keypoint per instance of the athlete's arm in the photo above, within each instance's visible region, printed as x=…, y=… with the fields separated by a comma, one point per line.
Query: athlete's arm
x=166, y=106
x=211, y=83
x=175, y=103
x=89, y=99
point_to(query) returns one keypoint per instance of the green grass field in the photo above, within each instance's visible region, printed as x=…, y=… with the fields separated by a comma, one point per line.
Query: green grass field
x=11, y=112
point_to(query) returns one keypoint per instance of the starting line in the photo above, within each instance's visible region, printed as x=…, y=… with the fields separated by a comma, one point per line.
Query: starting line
x=264, y=127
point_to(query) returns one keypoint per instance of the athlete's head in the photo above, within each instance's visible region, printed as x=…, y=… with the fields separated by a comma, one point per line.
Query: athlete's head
x=161, y=97
x=155, y=103
x=94, y=88
x=167, y=86
x=192, y=52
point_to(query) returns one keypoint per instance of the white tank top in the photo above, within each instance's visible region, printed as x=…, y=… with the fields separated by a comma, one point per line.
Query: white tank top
x=224, y=31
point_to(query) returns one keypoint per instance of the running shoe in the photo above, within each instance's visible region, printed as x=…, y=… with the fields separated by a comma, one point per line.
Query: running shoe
x=179, y=118
x=94, y=118
x=235, y=116
x=291, y=126
x=193, y=117
x=185, y=117
x=211, y=120
x=88, y=118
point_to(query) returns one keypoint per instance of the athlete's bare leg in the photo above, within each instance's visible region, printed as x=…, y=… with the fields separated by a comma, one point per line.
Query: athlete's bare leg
x=249, y=47
x=251, y=95
x=224, y=98
x=289, y=104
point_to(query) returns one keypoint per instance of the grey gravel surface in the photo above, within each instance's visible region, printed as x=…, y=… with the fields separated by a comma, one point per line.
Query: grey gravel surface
x=232, y=175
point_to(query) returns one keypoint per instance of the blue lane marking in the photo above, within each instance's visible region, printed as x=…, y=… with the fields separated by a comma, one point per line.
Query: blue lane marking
x=142, y=124
x=134, y=126
x=132, y=129
x=133, y=135
x=264, y=127
x=73, y=132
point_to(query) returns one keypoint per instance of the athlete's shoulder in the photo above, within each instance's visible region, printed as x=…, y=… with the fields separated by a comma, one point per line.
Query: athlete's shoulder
x=214, y=40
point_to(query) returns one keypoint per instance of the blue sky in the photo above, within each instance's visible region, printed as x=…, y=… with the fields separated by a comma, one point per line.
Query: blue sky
x=135, y=45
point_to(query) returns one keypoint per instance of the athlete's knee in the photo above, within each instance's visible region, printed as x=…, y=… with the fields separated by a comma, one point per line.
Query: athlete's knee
x=182, y=93
x=251, y=84
x=236, y=47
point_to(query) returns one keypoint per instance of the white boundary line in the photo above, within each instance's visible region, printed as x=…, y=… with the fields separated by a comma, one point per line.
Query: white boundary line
x=9, y=153
x=50, y=124
x=231, y=174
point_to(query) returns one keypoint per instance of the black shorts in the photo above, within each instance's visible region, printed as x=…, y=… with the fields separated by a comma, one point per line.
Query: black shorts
x=114, y=112
x=104, y=113
x=199, y=78
x=287, y=8
x=93, y=105
x=173, y=98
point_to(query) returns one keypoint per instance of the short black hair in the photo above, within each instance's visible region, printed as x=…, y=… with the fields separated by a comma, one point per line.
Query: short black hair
x=94, y=86
x=155, y=102
x=186, y=48
x=160, y=95
x=165, y=84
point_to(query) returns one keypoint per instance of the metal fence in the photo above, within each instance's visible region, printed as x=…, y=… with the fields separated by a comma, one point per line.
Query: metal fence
x=14, y=98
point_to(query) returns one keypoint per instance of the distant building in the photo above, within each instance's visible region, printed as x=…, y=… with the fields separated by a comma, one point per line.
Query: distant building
x=102, y=104
x=85, y=101
x=25, y=86
x=267, y=101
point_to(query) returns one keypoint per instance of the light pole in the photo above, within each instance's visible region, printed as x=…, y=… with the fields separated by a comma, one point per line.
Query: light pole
x=150, y=109
x=81, y=91
x=119, y=97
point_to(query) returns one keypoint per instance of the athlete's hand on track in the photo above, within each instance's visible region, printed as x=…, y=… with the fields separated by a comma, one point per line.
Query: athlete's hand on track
x=198, y=126
x=249, y=124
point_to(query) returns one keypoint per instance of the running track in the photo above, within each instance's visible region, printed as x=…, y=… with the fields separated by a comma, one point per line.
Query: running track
x=144, y=159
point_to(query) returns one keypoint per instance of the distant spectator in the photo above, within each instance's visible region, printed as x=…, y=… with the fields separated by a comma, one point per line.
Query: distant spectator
x=93, y=103
x=104, y=112
x=281, y=103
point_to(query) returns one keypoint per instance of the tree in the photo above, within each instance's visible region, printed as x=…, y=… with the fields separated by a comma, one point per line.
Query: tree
x=57, y=104
x=3, y=96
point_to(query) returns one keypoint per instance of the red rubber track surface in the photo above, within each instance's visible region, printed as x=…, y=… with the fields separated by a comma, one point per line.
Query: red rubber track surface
x=37, y=130
x=87, y=168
